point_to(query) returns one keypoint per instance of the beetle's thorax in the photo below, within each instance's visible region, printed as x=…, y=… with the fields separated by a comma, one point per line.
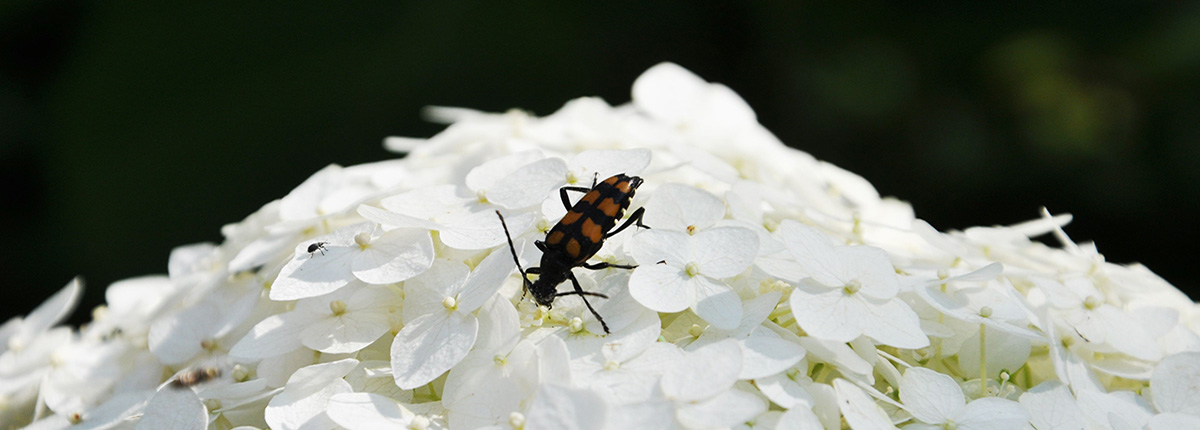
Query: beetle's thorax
x=545, y=288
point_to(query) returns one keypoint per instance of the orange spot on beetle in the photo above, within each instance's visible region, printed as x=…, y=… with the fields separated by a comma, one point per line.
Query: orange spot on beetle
x=570, y=218
x=609, y=207
x=554, y=238
x=592, y=231
x=623, y=186
x=573, y=247
x=611, y=180
x=590, y=197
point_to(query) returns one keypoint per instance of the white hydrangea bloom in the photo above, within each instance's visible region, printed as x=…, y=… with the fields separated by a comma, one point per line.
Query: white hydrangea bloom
x=772, y=291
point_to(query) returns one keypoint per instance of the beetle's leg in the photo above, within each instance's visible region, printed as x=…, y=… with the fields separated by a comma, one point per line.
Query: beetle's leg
x=635, y=219
x=605, y=265
x=583, y=295
x=524, y=281
x=562, y=192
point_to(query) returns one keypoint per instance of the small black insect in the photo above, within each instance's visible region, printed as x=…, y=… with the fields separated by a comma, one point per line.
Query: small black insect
x=195, y=377
x=316, y=246
x=578, y=236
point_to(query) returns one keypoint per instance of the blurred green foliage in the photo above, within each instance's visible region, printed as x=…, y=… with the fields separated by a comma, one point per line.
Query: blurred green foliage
x=129, y=128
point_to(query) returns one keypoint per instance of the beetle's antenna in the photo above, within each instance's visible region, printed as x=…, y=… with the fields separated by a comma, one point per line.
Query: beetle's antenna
x=513, y=249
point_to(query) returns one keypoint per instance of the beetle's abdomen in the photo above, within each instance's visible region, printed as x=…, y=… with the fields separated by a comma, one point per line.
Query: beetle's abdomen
x=581, y=232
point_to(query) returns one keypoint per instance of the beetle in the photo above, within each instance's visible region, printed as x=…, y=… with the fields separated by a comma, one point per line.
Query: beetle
x=577, y=237
x=316, y=246
x=196, y=376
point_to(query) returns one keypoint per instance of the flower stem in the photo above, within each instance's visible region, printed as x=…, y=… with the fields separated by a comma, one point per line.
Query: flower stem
x=982, y=360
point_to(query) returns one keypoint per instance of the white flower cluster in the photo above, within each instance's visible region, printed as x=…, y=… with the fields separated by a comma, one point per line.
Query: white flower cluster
x=772, y=291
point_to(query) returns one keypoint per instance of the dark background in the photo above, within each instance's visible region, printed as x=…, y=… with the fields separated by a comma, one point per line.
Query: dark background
x=129, y=128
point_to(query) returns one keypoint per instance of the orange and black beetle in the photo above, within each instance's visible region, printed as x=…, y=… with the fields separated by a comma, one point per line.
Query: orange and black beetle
x=578, y=236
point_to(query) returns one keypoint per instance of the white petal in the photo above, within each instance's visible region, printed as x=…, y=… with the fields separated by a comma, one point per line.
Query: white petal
x=108, y=415
x=487, y=387
x=992, y=413
x=554, y=361
x=311, y=275
x=668, y=91
x=277, y=369
x=781, y=265
x=366, y=411
x=605, y=163
x=716, y=302
x=395, y=256
x=389, y=219
x=894, y=324
x=627, y=343
x=50, y=312
x=1172, y=421
x=485, y=280
x=143, y=296
x=255, y=389
x=784, y=391
x=559, y=407
x=660, y=287
x=1110, y=407
x=726, y=409
x=482, y=229
x=825, y=404
x=1004, y=352
x=652, y=246
x=302, y=404
x=931, y=396
x=176, y=339
x=487, y=174
x=347, y=333
x=310, y=379
x=722, y=252
x=720, y=363
x=174, y=408
x=677, y=206
x=621, y=311
x=374, y=298
x=529, y=185
x=499, y=326
x=860, y=411
x=813, y=251
x=274, y=335
x=654, y=413
x=827, y=316
x=755, y=311
x=430, y=345
x=1052, y=407
x=293, y=411
x=1176, y=384
x=428, y=203
x=188, y=259
x=301, y=203
x=263, y=250
x=424, y=294
x=767, y=355
x=1070, y=367
x=849, y=185
x=52, y=422
x=801, y=418
x=1127, y=335
x=871, y=268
